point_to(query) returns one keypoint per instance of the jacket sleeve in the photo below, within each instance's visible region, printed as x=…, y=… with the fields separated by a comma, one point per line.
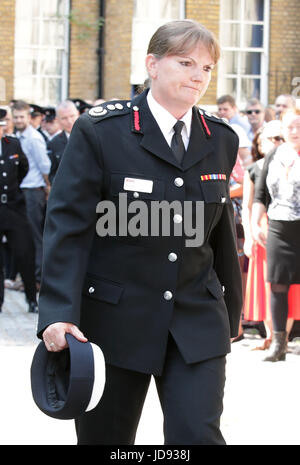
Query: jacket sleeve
x=227, y=267
x=226, y=263
x=70, y=226
x=52, y=158
x=261, y=193
x=23, y=166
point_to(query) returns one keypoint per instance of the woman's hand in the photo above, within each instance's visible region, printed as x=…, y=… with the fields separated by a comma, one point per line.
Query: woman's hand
x=54, y=336
x=248, y=246
x=259, y=235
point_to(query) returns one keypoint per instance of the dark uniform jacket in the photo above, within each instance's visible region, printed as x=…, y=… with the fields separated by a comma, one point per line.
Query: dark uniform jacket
x=124, y=292
x=55, y=149
x=13, y=168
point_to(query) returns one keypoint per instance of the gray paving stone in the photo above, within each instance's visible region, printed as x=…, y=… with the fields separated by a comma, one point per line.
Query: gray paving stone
x=261, y=401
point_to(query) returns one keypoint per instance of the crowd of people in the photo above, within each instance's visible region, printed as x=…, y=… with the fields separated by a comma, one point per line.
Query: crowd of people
x=265, y=195
x=33, y=139
x=43, y=134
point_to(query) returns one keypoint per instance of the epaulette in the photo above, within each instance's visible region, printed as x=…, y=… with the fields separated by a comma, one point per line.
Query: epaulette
x=9, y=139
x=108, y=109
x=205, y=115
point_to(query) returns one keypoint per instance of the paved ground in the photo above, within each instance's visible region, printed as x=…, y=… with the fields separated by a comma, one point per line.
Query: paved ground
x=261, y=404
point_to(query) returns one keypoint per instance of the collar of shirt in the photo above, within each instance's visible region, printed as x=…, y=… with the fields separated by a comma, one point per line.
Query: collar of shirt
x=166, y=121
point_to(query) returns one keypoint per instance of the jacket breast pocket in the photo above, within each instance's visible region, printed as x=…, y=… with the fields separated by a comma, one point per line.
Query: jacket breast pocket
x=102, y=289
x=215, y=192
x=216, y=196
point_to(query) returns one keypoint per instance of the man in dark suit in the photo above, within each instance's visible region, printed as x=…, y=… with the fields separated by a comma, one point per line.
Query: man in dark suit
x=66, y=115
x=13, y=221
x=155, y=303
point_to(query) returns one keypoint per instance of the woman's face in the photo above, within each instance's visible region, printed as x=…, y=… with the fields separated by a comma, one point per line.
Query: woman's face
x=291, y=128
x=264, y=144
x=178, y=82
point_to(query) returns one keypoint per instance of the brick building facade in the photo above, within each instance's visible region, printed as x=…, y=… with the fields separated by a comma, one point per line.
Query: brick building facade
x=84, y=43
x=87, y=77
x=284, y=51
x=7, y=29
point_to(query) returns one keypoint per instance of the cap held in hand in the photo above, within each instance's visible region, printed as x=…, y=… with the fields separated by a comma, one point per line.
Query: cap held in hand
x=68, y=383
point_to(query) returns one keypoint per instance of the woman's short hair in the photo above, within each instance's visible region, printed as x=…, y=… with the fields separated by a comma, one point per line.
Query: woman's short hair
x=180, y=37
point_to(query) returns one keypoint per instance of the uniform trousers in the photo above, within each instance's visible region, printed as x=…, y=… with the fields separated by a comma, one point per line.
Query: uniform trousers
x=14, y=225
x=36, y=209
x=191, y=398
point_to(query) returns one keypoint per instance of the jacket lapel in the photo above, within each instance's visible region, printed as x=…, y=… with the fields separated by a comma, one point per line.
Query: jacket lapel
x=152, y=138
x=199, y=145
x=64, y=138
x=4, y=142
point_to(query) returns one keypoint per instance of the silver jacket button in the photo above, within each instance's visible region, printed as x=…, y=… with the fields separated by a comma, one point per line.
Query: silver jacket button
x=178, y=182
x=177, y=219
x=168, y=295
x=172, y=257
x=136, y=195
x=91, y=290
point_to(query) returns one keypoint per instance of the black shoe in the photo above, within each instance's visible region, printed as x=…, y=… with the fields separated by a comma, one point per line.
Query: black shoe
x=278, y=347
x=33, y=307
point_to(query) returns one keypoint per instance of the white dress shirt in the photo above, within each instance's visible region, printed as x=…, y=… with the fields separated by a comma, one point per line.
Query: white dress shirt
x=166, y=121
x=34, y=147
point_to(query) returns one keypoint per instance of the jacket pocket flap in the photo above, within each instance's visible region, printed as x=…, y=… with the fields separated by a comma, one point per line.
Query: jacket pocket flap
x=215, y=289
x=215, y=191
x=101, y=289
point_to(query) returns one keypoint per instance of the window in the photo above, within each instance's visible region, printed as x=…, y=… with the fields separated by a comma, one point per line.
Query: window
x=244, y=40
x=148, y=15
x=41, y=51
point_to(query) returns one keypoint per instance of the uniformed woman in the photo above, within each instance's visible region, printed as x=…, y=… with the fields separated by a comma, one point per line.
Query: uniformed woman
x=157, y=301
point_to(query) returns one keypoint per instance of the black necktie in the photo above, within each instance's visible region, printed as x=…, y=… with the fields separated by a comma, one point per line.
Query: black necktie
x=177, y=145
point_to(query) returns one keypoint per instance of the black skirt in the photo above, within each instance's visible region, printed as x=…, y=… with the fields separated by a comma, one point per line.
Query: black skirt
x=283, y=252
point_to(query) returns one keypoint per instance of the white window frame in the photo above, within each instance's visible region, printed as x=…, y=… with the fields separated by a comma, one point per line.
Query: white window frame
x=64, y=76
x=148, y=26
x=264, y=51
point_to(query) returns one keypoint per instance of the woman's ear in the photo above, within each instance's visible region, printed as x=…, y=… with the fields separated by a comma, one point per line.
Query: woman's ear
x=151, y=65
